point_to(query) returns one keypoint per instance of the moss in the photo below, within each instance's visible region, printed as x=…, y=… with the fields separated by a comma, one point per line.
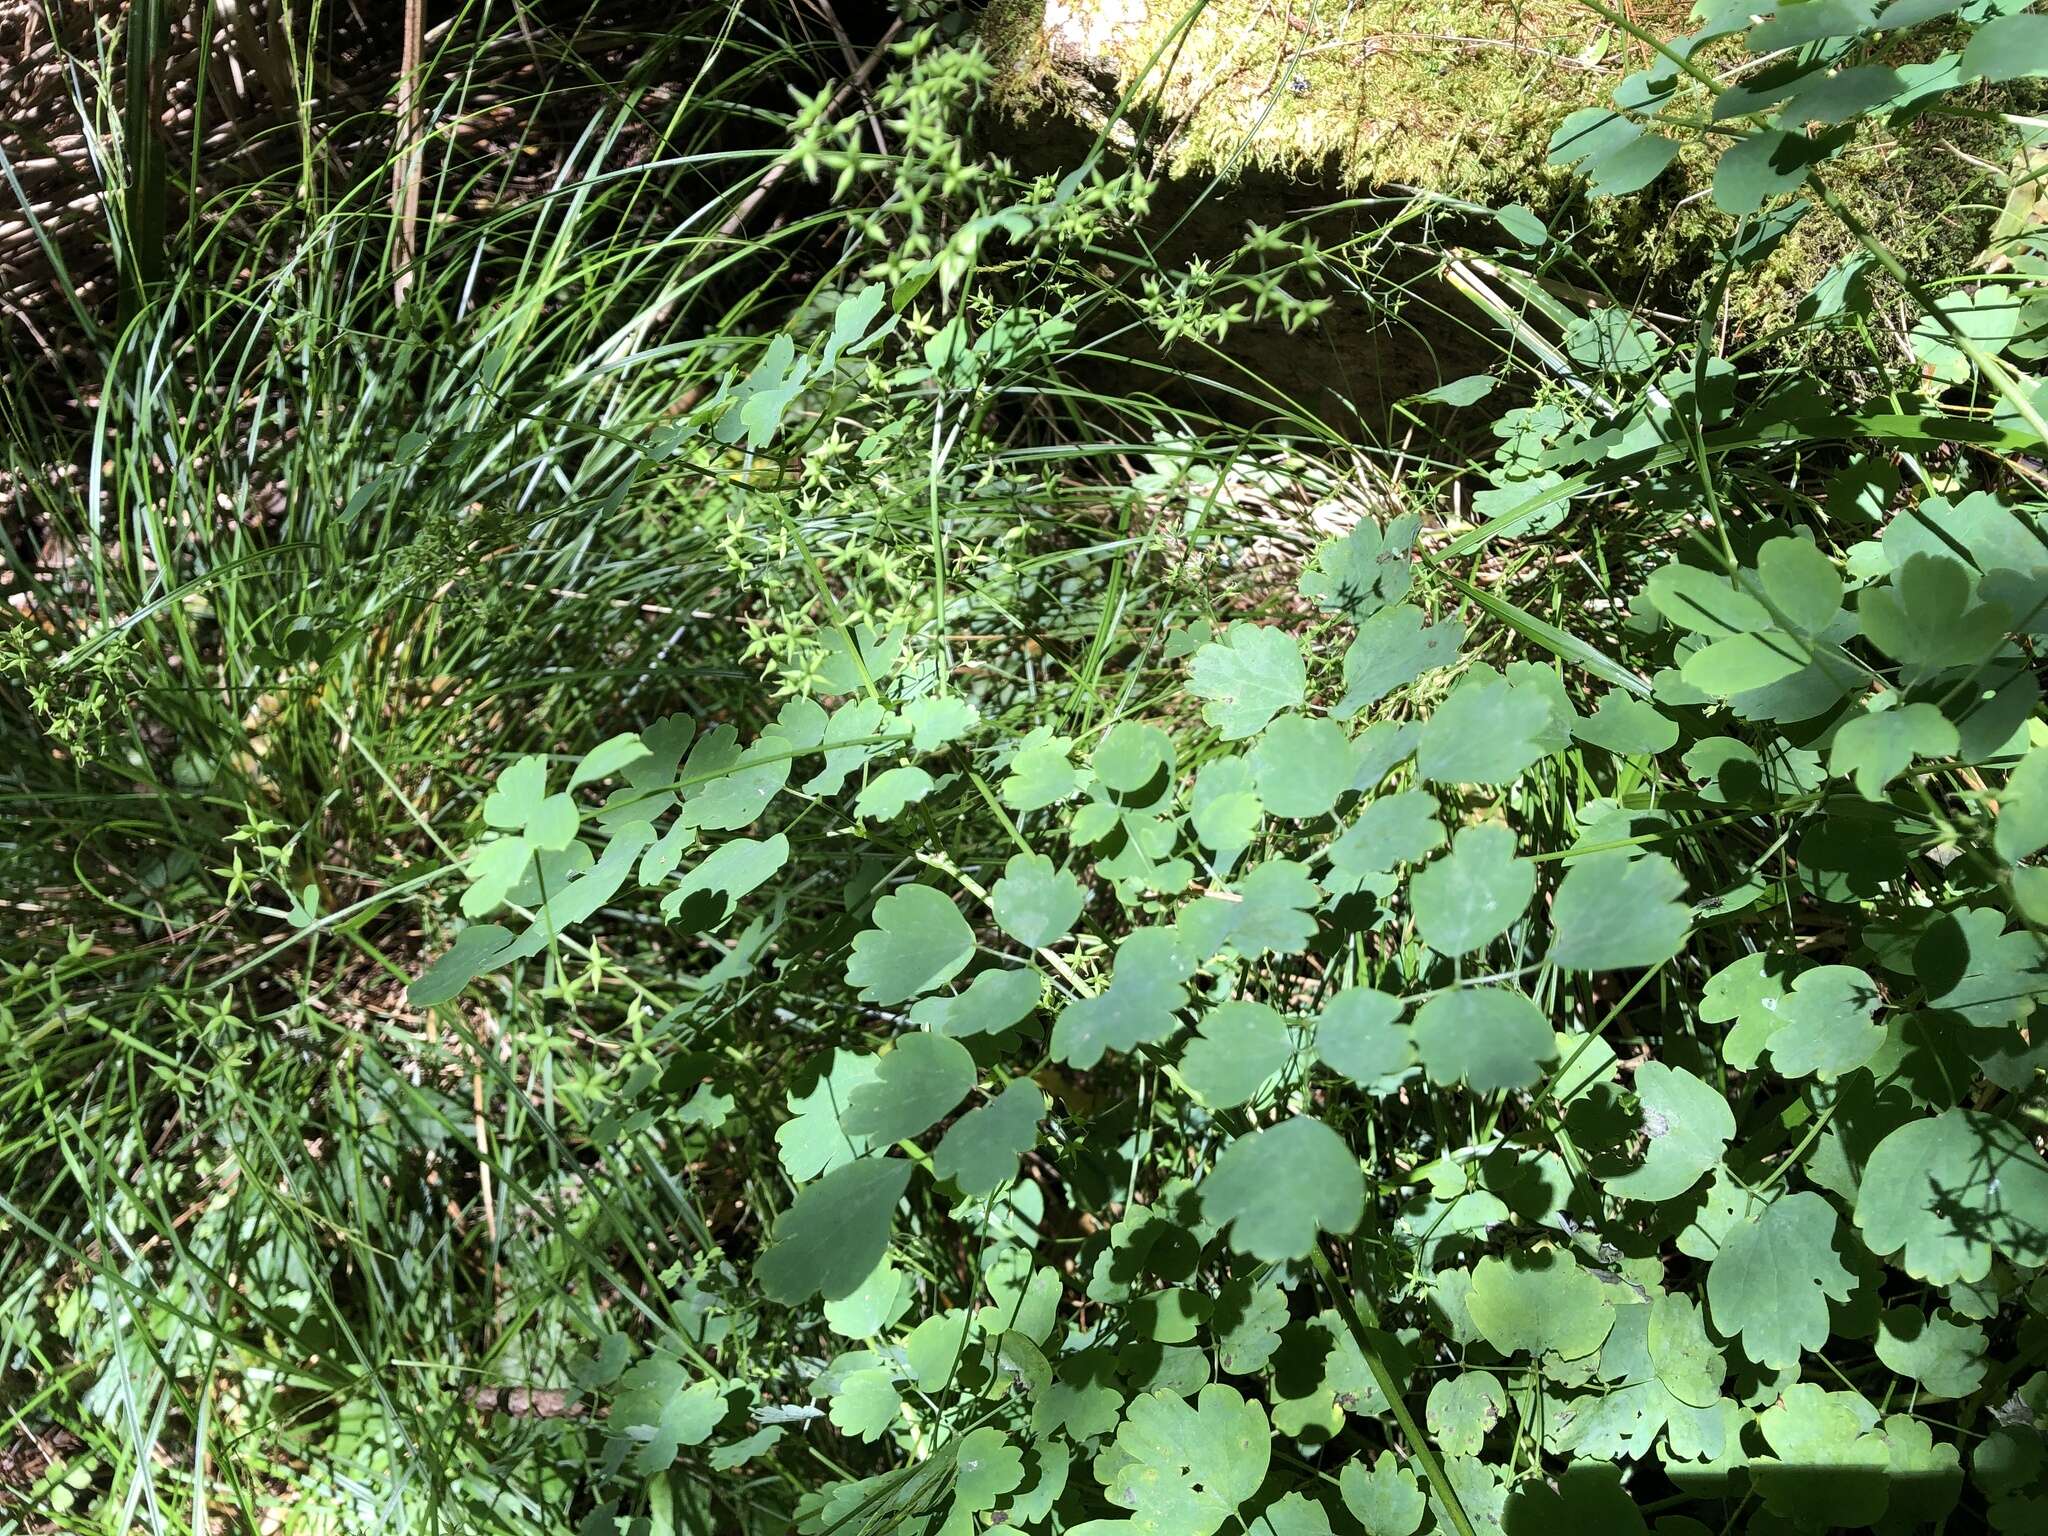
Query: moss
x=1455, y=96
x=1459, y=97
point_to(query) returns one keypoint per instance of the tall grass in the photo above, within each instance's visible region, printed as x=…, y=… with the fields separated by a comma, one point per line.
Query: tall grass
x=291, y=563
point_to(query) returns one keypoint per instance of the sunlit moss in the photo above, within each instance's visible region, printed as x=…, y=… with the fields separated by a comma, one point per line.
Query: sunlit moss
x=1453, y=95
x=1459, y=97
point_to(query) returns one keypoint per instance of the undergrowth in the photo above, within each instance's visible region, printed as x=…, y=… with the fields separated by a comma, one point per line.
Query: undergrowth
x=746, y=837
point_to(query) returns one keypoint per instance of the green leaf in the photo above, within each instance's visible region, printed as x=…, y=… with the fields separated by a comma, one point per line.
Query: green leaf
x=494, y=870
x=738, y=1453
x=1475, y=893
x=1772, y=1279
x=2022, y=829
x=867, y=1404
x=1363, y=571
x=1237, y=1048
x=1226, y=810
x=1798, y=22
x=517, y=795
x=1925, y=1478
x=1393, y=648
x=734, y=869
x=1270, y=910
x=1172, y=1316
x=745, y=784
x=1540, y=1303
x=919, y=942
x=849, y=723
x=1393, y=829
x=1275, y=1189
x=938, y=720
x=1827, y=1468
x=916, y=1084
x=830, y=1240
x=1631, y=167
x=474, y=951
x=1040, y=772
x=661, y=1410
x=1928, y=617
x=1684, y=1355
x=1877, y=747
x=936, y=1346
x=1292, y=1514
x=1589, y=133
x=1740, y=663
x=1387, y=1501
x=1584, y=1498
x=1486, y=732
x=1824, y=1023
x=887, y=793
x=1035, y=904
x=1247, y=1322
x=610, y=757
x=1749, y=992
x=1968, y=965
x=1521, y=226
x=1301, y=766
x=993, y=1001
x=1704, y=602
x=986, y=1467
x=1359, y=1035
x=1461, y=1409
x=981, y=1150
x=1764, y=163
x=1489, y=1038
x=1184, y=1468
x=1943, y=1194
x=1138, y=1007
x=1615, y=911
x=1627, y=727
x=552, y=827
x=1687, y=1125
x=1132, y=756
x=1471, y=389
x=580, y=898
x=1249, y=676
x=814, y=1139
x=2009, y=48
x=1801, y=582
x=879, y=1302
x=1945, y=1357
x=850, y=321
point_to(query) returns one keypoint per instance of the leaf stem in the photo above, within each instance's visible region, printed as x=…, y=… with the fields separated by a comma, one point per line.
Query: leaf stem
x=1389, y=1389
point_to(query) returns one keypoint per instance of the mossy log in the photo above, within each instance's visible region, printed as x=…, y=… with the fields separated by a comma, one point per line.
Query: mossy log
x=1360, y=105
